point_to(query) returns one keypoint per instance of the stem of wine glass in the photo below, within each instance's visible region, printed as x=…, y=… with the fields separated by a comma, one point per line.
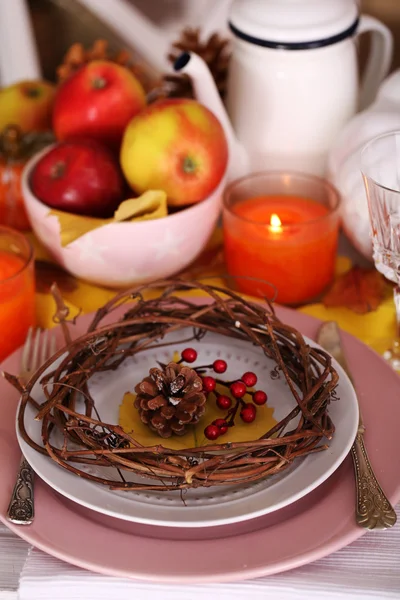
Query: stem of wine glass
x=396, y=298
x=393, y=355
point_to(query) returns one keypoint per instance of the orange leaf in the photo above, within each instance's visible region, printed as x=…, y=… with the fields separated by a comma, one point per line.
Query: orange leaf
x=360, y=290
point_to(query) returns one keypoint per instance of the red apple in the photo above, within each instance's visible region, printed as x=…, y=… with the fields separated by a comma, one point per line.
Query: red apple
x=80, y=177
x=97, y=101
x=178, y=146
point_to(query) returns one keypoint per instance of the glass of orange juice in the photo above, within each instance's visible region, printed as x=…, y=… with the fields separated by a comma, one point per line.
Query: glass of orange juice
x=17, y=290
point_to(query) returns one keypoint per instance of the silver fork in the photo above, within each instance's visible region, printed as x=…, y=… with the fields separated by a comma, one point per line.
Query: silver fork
x=39, y=346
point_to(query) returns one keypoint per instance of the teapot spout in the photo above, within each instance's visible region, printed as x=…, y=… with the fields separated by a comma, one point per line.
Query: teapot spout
x=206, y=92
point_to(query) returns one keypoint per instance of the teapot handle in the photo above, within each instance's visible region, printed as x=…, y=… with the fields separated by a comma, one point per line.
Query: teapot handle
x=380, y=57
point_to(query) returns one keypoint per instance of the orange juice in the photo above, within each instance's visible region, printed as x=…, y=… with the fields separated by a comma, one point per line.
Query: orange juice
x=17, y=297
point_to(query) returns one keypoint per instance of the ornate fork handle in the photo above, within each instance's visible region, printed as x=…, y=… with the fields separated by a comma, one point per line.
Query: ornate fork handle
x=21, y=507
x=373, y=510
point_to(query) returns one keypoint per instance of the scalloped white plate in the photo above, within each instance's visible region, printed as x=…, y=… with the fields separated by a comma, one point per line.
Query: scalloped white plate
x=202, y=507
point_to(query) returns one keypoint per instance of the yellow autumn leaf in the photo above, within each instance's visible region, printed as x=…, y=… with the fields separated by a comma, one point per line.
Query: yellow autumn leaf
x=376, y=329
x=46, y=309
x=150, y=205
x=130, y=422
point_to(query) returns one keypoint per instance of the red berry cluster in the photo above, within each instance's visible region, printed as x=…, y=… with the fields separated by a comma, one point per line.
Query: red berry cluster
x=238, y=389
x=217, y=428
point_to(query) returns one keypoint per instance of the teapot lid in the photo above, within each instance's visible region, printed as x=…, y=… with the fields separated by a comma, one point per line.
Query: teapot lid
x=293, y=24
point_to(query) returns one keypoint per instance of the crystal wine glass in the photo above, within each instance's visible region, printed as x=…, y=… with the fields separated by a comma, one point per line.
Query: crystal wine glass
x=380, y=166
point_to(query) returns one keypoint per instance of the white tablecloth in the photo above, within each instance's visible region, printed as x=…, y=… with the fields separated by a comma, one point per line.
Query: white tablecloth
x=367, y=569
x=13, y=553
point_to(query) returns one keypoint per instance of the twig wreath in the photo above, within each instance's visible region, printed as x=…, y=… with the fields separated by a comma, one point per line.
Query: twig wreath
x=88, y=441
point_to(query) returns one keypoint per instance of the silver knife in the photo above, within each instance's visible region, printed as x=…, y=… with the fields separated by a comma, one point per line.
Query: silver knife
x=373, y=509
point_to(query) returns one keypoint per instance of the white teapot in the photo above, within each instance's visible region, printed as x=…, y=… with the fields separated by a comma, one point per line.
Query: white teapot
x=293, y=80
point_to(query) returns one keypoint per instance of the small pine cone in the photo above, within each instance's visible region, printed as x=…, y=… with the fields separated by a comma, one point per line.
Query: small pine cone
x=178, y=86
x=170, y=399
x=215, y=51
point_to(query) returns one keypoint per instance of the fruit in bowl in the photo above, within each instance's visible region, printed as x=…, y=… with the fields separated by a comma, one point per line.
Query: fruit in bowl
x=121, y=254
x=80, y=177
x=177, y=145
x=27, y=104
x=97, y=101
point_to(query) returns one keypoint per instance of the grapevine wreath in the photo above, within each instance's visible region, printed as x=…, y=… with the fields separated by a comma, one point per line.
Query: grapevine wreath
x=142, y=324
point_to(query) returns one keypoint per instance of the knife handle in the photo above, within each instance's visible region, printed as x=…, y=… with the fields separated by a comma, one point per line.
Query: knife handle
x=21, y=509
x=373, y=510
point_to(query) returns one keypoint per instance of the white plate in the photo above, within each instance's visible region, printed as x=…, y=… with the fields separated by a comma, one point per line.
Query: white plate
x=203, y=507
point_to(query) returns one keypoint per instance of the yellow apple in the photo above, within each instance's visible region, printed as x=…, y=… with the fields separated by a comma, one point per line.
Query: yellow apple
x=27, y=104
x=175, y=145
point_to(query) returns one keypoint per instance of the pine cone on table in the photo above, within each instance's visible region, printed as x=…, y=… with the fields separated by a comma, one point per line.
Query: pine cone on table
x=170, y=399
x=214, y=51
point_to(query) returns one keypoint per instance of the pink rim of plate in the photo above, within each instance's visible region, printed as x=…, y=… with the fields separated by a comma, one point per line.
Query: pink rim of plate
x=311, y=528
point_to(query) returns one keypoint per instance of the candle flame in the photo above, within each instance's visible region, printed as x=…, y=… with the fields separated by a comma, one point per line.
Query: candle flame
x=275, y=223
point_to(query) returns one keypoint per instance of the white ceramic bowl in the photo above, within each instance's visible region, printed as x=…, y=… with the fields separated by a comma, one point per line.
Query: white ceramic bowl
x=123, y=254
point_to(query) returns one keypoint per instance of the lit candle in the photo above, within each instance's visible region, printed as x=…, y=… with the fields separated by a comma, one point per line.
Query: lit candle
x=287, y=240
x=275, y=224
x=17, y=290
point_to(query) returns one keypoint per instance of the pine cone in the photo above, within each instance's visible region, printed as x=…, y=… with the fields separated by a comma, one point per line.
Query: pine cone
x=170, y=399
x=77, y=56
x=177, y=86
x=214, y=51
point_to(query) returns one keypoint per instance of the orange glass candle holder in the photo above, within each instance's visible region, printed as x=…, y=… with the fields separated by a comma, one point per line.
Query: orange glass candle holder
x=281, y=228
x=17, y=290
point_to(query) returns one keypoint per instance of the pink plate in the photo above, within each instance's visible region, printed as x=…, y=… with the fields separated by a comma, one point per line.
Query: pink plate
x=313, y=527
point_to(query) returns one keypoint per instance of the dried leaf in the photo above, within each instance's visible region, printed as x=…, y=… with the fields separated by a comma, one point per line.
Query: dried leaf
x=360, y=290
x=150, y=205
